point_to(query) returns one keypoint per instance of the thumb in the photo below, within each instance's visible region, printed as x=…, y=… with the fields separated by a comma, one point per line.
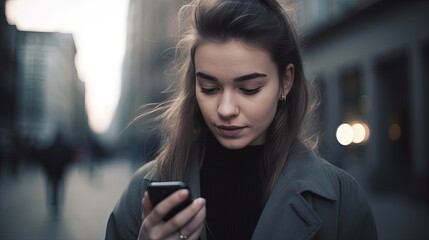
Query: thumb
x=147, y=205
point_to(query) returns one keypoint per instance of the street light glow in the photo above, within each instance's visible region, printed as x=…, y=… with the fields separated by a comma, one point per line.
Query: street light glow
x=360, y=132
x=356, y=133
x=345, y=134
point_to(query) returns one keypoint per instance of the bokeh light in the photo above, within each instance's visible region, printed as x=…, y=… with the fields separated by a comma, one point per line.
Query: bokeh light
x=357, y=133
x=394, y=131
x=360, y=132
x=345, y=134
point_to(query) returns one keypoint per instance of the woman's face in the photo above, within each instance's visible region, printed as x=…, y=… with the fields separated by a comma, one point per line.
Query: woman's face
x=237, y=89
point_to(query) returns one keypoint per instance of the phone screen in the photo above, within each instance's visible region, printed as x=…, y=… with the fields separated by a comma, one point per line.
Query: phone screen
x=158, y=191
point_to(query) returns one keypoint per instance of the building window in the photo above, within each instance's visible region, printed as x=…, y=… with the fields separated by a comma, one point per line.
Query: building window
x=350, y=92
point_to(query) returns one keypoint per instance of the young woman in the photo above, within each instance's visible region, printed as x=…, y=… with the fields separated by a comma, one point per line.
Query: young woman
x=233, y=133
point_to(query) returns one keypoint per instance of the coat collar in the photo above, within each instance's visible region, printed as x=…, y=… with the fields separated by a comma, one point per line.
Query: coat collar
x=305, y=171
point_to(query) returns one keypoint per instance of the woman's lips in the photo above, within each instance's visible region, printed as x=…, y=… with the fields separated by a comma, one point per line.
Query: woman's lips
x=229, y=131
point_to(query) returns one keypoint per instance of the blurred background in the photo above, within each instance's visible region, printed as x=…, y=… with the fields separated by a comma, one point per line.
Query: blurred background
x=74, y=73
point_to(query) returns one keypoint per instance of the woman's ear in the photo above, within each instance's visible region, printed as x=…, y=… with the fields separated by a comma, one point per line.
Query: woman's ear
x=287, y=79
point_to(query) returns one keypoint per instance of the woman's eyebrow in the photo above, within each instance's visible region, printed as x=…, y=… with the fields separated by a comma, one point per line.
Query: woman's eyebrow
x=206, y=76
x=237, y=79
x=249, y=76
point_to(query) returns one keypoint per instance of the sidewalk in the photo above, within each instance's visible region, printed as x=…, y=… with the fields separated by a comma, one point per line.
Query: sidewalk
x=88, y=199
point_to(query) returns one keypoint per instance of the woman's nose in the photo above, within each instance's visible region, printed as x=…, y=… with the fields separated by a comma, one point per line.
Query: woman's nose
x=227, y=106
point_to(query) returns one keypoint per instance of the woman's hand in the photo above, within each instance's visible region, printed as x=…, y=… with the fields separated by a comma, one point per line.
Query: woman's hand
x=186, y=224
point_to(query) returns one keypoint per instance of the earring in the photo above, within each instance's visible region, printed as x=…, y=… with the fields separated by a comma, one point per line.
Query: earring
x=283, y=98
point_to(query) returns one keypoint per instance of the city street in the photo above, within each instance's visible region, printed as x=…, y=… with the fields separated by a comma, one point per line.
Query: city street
x=85, y=92
x=91, y=192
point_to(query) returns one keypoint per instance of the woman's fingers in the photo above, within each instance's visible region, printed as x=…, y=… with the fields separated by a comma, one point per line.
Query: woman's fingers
x=147, y=205
x=168, y=204
x=154, y=218
x=194, y=227
x=189, y=219
x=153, y=227
x=194, y=223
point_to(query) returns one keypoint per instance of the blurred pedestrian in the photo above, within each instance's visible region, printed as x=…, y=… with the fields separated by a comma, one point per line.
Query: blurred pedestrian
x=233, y=132
x=54, y=160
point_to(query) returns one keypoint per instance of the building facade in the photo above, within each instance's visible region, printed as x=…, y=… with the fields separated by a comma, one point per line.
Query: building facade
x=8, y=35
x=370, y=61
x=150, y=38
x=50, y=96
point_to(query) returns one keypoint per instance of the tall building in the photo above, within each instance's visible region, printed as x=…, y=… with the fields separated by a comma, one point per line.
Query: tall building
x=370, y=59
x=150, y=32
x=50, y=94
x=7, y=86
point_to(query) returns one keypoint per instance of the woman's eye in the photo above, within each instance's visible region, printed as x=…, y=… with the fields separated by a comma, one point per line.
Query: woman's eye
x=209, y=90
x=250, y=91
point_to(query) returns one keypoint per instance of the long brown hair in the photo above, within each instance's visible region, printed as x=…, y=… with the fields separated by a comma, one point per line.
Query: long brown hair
x=262, y=23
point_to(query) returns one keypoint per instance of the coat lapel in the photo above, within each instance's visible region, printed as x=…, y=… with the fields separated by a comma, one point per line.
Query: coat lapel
x=287, y=214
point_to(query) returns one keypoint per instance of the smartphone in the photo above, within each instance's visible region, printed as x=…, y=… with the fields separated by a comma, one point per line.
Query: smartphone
x=158, y=191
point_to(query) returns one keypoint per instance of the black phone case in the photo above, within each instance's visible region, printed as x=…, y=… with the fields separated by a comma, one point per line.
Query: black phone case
x=158, y=191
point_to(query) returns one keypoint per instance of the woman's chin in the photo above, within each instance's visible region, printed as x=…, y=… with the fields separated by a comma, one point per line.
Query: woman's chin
x=232, y=144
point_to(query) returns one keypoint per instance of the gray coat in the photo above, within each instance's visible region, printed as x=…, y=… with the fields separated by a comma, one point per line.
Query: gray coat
x=312, y=200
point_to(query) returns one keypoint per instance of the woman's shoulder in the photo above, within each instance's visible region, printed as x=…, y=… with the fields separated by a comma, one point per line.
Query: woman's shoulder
x=339, y=177
x=147, y=171
x=316, y=174
x=343, y=183
x=142, y=176
x=125, y=218
x=349, y=192
x=340, y=195
x=140, y=179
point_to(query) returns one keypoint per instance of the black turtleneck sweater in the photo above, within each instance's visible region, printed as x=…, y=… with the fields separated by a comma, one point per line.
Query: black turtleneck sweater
x=231, y=185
